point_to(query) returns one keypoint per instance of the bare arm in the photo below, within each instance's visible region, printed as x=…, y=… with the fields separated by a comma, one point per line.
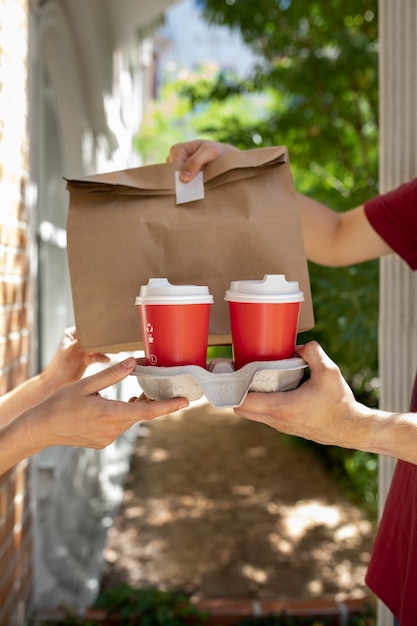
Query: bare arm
x=68, y=365
x=330, y=238
x=76, y=415
x=337, y=239
x=324, y=409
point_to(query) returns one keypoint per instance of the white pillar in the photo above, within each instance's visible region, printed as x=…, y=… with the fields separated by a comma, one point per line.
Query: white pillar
x=398, y=164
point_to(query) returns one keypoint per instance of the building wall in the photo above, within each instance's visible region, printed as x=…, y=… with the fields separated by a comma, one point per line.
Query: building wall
x=15, y=301
x=398, y=164
x=70, y=102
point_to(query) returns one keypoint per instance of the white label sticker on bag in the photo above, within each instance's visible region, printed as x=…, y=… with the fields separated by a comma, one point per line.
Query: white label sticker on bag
x=189, y=192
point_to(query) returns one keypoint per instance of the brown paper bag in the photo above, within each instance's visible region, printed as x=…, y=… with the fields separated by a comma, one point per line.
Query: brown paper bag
x=126, y=227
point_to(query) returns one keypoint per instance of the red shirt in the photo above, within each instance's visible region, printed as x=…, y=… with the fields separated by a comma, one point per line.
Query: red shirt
x=392, y=572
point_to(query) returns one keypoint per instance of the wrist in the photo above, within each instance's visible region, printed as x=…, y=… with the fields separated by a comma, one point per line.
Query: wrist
x=48, y=382
x=19, y=441
x=363, y=428
x=391, y=434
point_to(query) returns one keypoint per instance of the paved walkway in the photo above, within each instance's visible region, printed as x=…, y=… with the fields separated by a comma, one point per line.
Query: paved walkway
x=225, y=508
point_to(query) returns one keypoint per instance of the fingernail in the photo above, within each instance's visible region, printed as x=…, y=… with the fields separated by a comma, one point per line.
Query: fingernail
x=185, y=175
x=129, y=363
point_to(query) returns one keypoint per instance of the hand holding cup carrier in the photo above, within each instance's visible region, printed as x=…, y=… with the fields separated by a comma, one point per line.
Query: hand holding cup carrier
x=263, y=317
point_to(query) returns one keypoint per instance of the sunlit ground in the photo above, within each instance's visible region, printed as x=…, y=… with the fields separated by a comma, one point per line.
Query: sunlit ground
x=221, y=507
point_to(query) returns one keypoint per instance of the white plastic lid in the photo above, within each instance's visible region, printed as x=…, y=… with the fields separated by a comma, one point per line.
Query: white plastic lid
x=160, y=291
x=272, y=288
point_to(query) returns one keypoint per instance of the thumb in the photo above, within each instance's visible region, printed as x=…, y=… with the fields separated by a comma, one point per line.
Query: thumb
x=191, y=168
x=198, y=154
x=314, y=355
x=107, y=377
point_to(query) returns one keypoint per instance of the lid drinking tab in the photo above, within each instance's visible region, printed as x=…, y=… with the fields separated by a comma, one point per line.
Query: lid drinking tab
x=161, y=291
x=272, y=288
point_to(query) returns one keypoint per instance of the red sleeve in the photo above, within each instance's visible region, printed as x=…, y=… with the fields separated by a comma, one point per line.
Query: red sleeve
x=394, y=217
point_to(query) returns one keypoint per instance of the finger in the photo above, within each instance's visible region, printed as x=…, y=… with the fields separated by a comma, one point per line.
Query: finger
x=313, y=354
x=141, y=397
x=182, y=151
x=195, y=162
x=260, y=403
x=177, y=154
x=70, y=333
x=319, y=362
x=69, y=337
x=98, y=357
x=193, y=155
x=155, y=408
x=254, y=417
x=114, y=374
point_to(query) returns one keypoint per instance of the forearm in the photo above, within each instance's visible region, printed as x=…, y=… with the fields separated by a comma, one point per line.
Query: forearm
x=355, y=426
x=338, y=239
x=17, y=442
x=391, y=434
x=25, y=396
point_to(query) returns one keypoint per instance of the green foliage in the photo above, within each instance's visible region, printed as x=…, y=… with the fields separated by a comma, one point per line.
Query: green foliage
x=318, y=81
x=314, y=90
x=318, y=64
x=149, y=607
x=345, y=304
x=219, y=352
x=178, y=116
x=356, y=473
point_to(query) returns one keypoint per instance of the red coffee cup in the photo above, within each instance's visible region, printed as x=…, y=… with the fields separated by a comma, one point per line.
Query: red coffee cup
x=175, y=322
x=263, y=318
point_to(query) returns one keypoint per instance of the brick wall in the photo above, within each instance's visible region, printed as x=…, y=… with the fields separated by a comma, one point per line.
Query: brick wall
x=15, y=519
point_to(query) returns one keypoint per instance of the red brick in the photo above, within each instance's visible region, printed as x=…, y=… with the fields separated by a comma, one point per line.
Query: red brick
x=7, y=552
x=6, y=584
x=6, y=527
x=6, y=615
x=4, y=501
